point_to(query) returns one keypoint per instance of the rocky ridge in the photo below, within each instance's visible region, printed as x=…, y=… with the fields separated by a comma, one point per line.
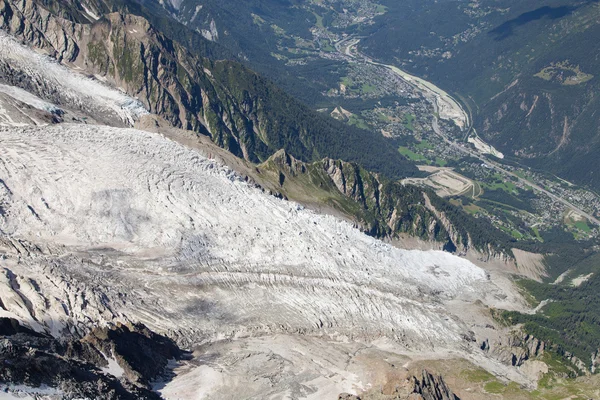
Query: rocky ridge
x=424, y=386
x=382, y=208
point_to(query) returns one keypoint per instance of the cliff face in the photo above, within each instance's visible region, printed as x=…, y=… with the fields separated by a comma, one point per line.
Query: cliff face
x=424, y=386
x=382, y=208
x=432, y=387
x=115, y=363
x=389, y=207
x=38, y=27
x=128, y=52
x=515, y=349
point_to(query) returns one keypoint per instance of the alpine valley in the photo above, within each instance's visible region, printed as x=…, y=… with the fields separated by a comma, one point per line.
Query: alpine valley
x=299, y=199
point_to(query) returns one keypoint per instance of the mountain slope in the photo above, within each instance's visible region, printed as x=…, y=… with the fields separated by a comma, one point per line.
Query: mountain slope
x=240, y=110
x=108, y=363
x=384, y=208
x=400, y=210
x=223, y=228
x=59, y=87
x=102, y=226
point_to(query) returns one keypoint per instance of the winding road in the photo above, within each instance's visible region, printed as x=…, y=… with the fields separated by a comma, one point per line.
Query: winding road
x=348, y=48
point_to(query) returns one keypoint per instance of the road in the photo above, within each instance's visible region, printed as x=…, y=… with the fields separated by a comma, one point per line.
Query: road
x=347, y=51
x=497, y=167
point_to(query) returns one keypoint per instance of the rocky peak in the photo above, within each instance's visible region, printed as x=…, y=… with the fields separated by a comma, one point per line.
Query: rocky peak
x=39, y=28
x=431, y=387
x=141, y=353
x=287, y=163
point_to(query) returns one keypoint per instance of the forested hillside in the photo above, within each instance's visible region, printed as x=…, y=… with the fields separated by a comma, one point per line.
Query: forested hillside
x=569, y=323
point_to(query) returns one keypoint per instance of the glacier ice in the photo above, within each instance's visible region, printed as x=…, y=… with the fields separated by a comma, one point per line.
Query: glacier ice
x=182, y=242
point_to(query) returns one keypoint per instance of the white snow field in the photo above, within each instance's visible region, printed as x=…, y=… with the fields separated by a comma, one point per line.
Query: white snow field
x=102, y=224
x=70, y=89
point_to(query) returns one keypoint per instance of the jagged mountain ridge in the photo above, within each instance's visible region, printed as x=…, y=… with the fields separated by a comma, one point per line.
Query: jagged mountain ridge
x=384, y=208
x=115, y=363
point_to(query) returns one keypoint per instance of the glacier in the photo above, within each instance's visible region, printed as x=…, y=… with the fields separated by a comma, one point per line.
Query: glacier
x=200, y=246
x=100, y=225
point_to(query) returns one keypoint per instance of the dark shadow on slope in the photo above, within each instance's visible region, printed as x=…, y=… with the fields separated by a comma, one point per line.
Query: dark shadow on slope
x=507, y=29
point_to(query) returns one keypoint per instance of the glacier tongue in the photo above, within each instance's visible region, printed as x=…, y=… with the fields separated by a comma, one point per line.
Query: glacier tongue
x=49, y=79
x=29, y=99
x=146, y=229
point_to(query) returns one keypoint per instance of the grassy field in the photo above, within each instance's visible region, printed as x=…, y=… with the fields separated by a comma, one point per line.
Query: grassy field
x=319, y=20
x=472, y=209
x=583, y=226
x=409, y=120
x=367, y=88
x=424, y=145
x=358, y=122
x=577, y=225
x=565, y=73
x=513, y=232
x=501, y=183
x=411, y=155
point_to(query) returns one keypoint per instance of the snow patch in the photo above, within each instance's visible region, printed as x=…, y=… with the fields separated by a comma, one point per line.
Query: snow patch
x=212, y=33
x=22, y=392
x=89, y=12
x=113, y=367
x=176, y=4
x=198, y=8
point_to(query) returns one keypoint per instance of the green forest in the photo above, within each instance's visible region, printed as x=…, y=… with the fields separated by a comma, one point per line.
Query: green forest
x=570, y=322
